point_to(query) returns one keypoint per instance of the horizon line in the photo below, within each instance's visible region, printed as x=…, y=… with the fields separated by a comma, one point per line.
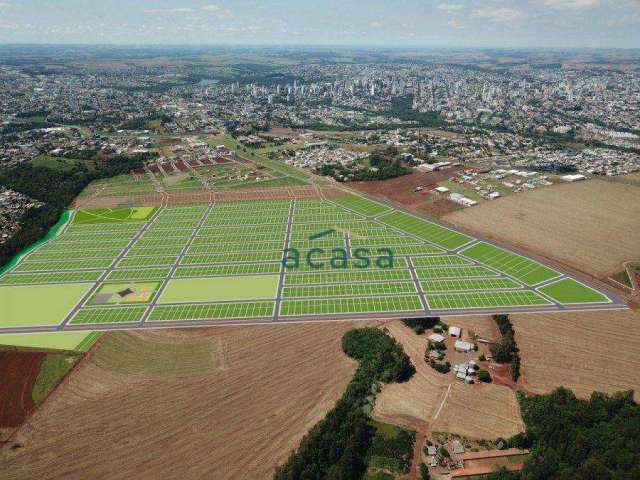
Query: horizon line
x=314, y=45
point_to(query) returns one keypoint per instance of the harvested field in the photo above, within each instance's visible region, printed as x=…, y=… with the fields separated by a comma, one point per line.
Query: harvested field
x=582, y=351
x=414, y=403
x=592, y=226
x=479, y=411
x=18, y=373
x=482, y=410
x=220, y=403
x=401, y=190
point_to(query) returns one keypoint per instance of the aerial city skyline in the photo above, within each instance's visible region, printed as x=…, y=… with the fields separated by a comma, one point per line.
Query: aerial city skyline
x=320, y=240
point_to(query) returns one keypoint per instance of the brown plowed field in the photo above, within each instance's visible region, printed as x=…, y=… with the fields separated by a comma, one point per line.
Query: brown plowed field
x=188, y=197
x=479, y=411
x=223, y=403
x=592, y=226
x=401, y=190
x=18, y=373
x=583, y=351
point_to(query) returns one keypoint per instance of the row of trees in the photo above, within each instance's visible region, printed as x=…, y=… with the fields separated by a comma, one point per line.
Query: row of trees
x=336, y=448
x=506, y=350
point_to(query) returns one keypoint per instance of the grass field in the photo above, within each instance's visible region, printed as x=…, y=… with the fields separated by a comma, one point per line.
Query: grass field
x=347, y=256
x=521, y=268
x=361, y=205
x=431, y=232
x=220, y=289
x=38, y=305
x=568, y=290
x=109, y=215
x=76, y=341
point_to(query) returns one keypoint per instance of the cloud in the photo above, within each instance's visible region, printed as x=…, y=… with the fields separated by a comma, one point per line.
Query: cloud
x=376, y=24
x=210, y=8
x=450, y=7
x=568, y=3
x=498, y=14
x=454, y=24
x=169, y=10
x=633, y=19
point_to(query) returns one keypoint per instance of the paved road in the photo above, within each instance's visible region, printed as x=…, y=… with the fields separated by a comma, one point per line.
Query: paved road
x=307, y=319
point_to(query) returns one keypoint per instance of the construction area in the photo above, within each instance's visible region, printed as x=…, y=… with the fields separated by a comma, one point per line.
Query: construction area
x=315, y=258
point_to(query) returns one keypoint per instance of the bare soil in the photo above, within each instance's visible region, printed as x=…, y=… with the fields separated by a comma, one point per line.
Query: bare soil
x=401, y=190
x=584, y=351
x=591, y=226
x=18, y=373
x=221, y=403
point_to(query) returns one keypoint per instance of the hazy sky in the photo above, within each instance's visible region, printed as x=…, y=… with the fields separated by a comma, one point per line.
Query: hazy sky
x=503, y=23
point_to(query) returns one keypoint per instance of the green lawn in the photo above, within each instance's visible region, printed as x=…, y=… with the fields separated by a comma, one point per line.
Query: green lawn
x=38, y=304
x=53, y=369
x=111, y=215
x=569, y=291
x=78, y=341
x=431, y=232
x=55, y=163
x=360, y=205
x=220, y=289
x=519, y=267
x=451, y=301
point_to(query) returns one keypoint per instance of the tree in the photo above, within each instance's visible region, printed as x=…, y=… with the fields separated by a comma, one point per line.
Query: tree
x=504, y=350
x=420, y=325
x=484, y=376
x=424, y=472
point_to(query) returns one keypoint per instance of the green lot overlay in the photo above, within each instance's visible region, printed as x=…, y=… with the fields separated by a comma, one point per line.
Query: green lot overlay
x=38, y=304
x=222, y=262
x=568, y=291
x=249, y=287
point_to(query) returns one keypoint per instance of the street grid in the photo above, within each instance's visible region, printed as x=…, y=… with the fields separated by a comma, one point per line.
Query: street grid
x=343, y=270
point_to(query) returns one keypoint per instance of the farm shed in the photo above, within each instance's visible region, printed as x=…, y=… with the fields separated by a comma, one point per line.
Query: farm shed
x=462, y=346
x=435, y=337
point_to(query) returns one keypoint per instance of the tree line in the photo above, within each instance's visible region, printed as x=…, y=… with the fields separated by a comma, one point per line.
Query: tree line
x=573, y=439
x=506, y=350
x=56, y=189
x=337, y=447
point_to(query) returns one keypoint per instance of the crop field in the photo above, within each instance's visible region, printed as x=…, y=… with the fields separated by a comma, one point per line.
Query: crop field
x=186, y=392
x=271, y=261
x=591, y=226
